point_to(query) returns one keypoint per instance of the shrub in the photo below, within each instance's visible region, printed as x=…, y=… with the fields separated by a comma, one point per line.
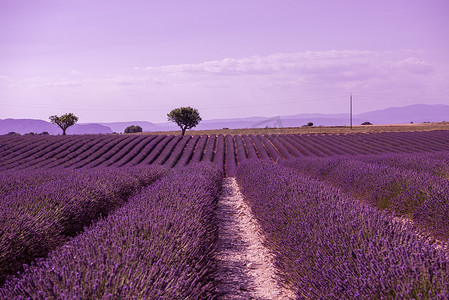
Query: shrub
x=133, y=129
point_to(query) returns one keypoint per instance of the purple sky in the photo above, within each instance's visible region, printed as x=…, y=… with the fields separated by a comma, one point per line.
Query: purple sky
x=110, y=60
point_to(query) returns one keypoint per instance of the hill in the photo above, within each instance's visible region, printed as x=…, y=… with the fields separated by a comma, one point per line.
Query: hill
x=23, y=126
x=394, y=115
x=418, y=113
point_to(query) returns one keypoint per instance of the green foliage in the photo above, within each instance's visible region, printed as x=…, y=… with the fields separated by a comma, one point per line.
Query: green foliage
x=185, y=117
x=64, y=121
x=133, y=129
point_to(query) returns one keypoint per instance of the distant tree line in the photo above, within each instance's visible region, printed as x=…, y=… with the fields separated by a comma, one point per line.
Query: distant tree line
x=29, y=133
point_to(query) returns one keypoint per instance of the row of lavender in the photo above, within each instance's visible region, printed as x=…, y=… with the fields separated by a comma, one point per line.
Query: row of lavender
x=176, y=151
x=41, y=210
x=331, y=246
x=157, y=246
x=412, y=185
x=435, y=163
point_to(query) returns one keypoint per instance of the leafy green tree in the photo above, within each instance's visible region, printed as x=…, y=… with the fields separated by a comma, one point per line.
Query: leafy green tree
x=64, y=121
x=133, y=129
x=185, y=117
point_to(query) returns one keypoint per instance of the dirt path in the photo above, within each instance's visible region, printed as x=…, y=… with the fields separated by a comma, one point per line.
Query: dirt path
x=245, y=269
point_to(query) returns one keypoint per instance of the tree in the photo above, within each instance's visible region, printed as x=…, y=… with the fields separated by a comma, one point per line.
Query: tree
x=310, y=124
x=64, y=121
x=185, y=117
x=133, y=129
x=367, y=123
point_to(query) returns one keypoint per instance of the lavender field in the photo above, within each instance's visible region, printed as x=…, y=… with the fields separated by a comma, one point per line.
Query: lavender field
x=356, y=216
x=88, y=151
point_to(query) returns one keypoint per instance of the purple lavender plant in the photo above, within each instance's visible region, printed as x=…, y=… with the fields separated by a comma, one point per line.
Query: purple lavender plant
x=158, y=246
x=37, y=218
x=330, y=246
x=419, y=196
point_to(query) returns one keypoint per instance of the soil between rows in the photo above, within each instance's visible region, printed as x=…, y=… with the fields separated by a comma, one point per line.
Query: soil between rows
x=245, y=268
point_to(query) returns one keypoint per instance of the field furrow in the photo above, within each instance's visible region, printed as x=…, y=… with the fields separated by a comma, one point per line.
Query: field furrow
x=187, y=152
x=199, y=150
x=225, y=150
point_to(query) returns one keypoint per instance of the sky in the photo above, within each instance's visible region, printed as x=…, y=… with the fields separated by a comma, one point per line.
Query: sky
x=135, y=60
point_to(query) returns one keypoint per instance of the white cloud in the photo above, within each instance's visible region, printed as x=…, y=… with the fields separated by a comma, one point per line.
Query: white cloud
x=275, y=84
x=304, y=62
x=119, y=80
x=324, y=70
x=415, y=65
x=132, y=80
x=328, y=71
x=60, y=83
x=403, y=74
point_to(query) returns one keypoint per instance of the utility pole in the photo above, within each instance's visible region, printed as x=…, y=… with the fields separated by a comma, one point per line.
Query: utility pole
x=350, y=110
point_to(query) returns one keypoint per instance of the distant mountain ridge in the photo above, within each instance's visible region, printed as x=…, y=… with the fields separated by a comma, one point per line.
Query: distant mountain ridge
x=394, y=115
x=23, y=126
x=418, y=113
